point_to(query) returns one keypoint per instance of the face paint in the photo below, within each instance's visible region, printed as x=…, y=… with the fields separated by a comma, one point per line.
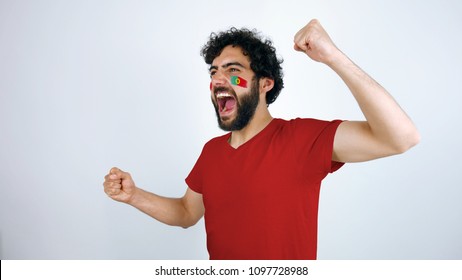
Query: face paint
x=238, y=81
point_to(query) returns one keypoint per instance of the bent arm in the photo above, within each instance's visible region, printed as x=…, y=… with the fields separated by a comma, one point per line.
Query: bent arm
x=387, y=129
x=183, y=212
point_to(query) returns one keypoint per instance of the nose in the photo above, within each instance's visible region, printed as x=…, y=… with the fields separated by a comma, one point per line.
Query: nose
x=219, y=79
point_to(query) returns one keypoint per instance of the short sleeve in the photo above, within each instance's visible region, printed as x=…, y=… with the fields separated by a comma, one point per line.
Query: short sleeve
x=326, y=144
x=194, y=179
x=314, y=142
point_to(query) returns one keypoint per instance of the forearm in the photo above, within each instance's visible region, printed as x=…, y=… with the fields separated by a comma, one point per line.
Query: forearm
x=170, y=211
x=388, y=123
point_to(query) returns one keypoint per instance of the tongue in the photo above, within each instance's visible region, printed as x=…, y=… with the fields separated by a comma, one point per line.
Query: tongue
x=230, y=103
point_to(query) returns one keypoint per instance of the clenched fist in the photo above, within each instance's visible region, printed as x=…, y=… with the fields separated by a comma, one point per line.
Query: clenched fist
x=315, y=42
x=119, y=185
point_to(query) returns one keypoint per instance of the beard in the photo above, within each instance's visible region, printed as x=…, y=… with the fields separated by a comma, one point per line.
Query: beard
x=245, y=106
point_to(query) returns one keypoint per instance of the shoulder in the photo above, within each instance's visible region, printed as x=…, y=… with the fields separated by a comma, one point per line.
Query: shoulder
x=307, y=124
x=217, y=142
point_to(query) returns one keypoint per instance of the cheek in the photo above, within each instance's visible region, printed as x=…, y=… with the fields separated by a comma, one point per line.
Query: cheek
x=238, y=81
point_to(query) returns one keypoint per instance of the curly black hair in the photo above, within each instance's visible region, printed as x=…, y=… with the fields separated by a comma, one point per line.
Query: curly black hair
x=262, y=54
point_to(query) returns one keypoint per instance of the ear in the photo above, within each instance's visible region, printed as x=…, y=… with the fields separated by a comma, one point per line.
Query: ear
x=266, y=84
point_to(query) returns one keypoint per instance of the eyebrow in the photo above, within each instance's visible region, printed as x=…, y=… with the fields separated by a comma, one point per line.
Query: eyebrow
x=226, y=65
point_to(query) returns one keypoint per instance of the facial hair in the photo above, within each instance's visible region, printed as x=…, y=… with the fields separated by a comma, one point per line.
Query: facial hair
x=246, y=107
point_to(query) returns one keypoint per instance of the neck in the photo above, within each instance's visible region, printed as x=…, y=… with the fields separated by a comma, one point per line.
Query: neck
x=259, y=121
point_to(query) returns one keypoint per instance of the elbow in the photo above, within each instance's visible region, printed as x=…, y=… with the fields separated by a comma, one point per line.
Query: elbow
x=188, y=224
x=407, y=142
x=189, y=221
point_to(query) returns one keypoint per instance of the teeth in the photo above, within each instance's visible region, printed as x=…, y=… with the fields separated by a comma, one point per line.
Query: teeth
x=223, y=95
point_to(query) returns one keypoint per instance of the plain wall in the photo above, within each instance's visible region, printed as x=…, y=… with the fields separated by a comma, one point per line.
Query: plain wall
x=87, y=85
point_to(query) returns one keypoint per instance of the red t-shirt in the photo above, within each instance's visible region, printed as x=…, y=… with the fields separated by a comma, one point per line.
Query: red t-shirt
x=261, y=199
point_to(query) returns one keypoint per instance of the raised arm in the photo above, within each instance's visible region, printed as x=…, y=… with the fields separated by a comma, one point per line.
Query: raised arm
x=387, y=129
x=184, y=212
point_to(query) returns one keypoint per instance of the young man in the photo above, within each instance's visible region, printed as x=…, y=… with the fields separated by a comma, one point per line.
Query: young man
x=258, y=186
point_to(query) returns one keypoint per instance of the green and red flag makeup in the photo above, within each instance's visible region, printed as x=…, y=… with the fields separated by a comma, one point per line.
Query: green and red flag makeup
x=235, y=80
x=238, y=81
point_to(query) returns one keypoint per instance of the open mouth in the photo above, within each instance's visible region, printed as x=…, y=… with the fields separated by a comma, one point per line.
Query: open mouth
x=226, y=102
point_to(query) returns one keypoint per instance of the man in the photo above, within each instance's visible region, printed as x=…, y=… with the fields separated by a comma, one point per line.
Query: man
x=258, y=186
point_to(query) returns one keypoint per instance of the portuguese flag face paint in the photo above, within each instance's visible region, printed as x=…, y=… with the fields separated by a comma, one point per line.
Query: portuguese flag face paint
x=238, y=81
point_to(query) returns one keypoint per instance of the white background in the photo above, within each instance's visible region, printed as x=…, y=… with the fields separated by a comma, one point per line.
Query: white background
x=87, y=85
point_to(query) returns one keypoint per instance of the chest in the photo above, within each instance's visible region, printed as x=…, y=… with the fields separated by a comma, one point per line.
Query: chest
x=256, y=178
